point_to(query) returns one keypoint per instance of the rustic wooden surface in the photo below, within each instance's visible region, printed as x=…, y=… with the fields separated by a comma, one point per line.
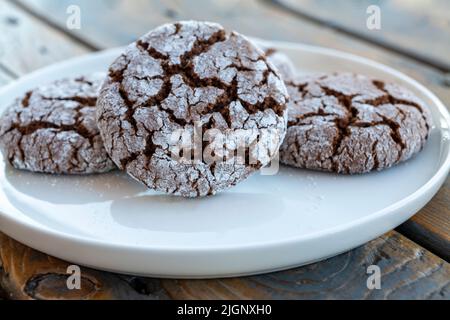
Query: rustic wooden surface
x=342, y=277
x=27, y=44
x=416, y=28
x=37, y=30
x=29, y=274
x=430, y=227
x=408, y=271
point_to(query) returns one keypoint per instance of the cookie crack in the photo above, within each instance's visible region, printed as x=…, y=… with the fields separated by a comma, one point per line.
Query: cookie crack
x=152, y=52
x=389, y=99
x=304, y=116
x=84, y=80
x=376, y=161
x=269, y=68
x=351, y=120
x=342, y=124
x=26, y=99
x=186, y=70
x=34, y=126
x=301, y=87
x=149, y=150
x=117, y=76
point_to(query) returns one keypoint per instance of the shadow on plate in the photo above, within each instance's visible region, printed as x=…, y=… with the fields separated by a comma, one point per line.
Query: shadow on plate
x=170, y=213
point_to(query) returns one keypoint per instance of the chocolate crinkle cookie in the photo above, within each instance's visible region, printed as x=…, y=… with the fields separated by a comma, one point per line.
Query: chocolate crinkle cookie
x=348, y=123
x=191, y=109
x=52, y=129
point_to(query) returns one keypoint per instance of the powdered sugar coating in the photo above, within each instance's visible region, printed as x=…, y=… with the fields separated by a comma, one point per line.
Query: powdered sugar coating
x=280, y=61
x=53, y=129
x=283, y=64
x=192, y=76
x=350, y=123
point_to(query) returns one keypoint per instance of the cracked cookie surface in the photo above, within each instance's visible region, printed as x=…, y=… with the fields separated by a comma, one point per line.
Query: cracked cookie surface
x=191, y=77
x=52, y=129
x=349, y=124
x=281, y=62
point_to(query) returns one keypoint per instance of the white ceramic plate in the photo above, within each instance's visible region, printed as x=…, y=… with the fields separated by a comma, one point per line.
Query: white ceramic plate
x=266, y=223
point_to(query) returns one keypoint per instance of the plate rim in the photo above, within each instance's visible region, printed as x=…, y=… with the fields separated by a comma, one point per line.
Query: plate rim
x=434, y=182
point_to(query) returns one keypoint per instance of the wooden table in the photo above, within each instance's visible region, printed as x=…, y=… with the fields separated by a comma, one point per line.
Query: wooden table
x=414, y=38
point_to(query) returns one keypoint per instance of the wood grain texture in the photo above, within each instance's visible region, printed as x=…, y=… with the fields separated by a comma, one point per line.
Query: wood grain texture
x=27, y=44
x=4, y=79
x=28, y=274
x=341, y=277
x=431, y=226
x=411, y=27
x=407, y=272
x=139, y=16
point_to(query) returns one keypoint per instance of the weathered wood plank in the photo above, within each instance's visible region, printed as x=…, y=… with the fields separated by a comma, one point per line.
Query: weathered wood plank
x=94, y=27
x=411, y=27
x=29, y=274
x=431, y=226
x=407, y=272
x=27, y=44
x=139, y=16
